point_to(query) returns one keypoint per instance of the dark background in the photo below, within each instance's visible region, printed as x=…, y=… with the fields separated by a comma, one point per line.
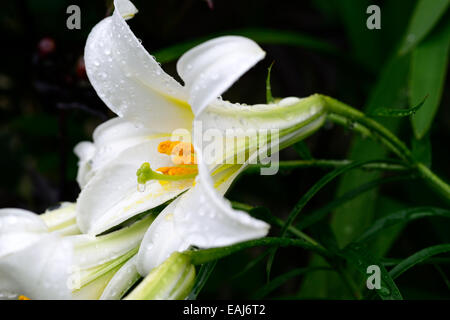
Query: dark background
x=47, y=106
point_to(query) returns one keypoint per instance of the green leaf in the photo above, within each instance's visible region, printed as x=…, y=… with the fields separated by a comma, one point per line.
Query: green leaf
x=366, y=44
x=421, y=150
x=381, y=244
x=443, y=275
x=393, y=112
x=389, y=262
x=428, y=71
x=201, y=279
x=400, y=217
x=281, y=279
x=269, y=97
x=360, y=258
x=418, y=257
x=303, y=151
x=319, y=214
x=426, y=14
x=353, y=217
x=318, y=186
x=251, y=264
x=263, y=36
x=308, y=195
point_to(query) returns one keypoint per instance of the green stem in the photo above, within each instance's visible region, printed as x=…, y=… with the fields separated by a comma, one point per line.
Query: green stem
x=375, y=128
x=339, y=110
x=211, y=254
x=254, y=168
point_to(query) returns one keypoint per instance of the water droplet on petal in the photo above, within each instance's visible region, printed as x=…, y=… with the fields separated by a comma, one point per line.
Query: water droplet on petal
x=141, y=187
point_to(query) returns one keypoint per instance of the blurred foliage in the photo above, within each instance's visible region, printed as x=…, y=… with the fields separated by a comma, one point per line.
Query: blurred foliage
x=47, y=106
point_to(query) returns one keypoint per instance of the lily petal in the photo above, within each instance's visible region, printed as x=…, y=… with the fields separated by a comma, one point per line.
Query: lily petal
x=18, y=229
x=129, y=80
x=122, y=281
x=211, y=68
x=110, y=139
x=292, y=119
x=200, y=217
x=284, y=114
x=39, y=271
x=93, y=251
x=62, y=220
x=84, y=150
x=111, y=196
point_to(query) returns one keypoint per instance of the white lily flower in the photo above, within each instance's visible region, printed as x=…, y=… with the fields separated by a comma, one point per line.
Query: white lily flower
x=152, y=105
x=39, y=263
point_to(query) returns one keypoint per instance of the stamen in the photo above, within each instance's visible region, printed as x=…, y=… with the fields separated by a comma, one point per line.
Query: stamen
x=181, y=152
x=178, y=171
x=166, y=147
x=21, y=297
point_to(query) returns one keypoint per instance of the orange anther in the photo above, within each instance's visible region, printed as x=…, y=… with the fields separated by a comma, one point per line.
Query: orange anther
x=166, y=147
x=181, y=152
x=21, y=297
x=178, y=171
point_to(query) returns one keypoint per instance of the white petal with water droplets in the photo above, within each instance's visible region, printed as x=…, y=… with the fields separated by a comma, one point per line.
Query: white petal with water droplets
x=200, y=217
x=286, y=113
x=112, y=195
x=160, y=240
x=212, y=67
x=129, y=80
x=126, y=8
x=18, y=229
x=239, y=127
x=84, y=150
x=62, y=219
x=93, y=251
x=39, y=271
x=110, y=139
x=123, y=280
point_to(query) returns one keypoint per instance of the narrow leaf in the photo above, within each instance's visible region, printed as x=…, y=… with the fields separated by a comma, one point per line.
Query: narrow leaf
x=281, y=279
x=308, y=195
x=201, y=279
x=393, y=112
x=251, y=264
x=359, y=257
x=269, y=97
x=303, y=151
x=418, y=257
x=321, y=213
x=402, y=216
x=426, y=14
x=427, y=77
x=421, y=150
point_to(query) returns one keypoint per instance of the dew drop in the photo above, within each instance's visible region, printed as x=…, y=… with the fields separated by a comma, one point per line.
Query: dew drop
x=141, y=187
